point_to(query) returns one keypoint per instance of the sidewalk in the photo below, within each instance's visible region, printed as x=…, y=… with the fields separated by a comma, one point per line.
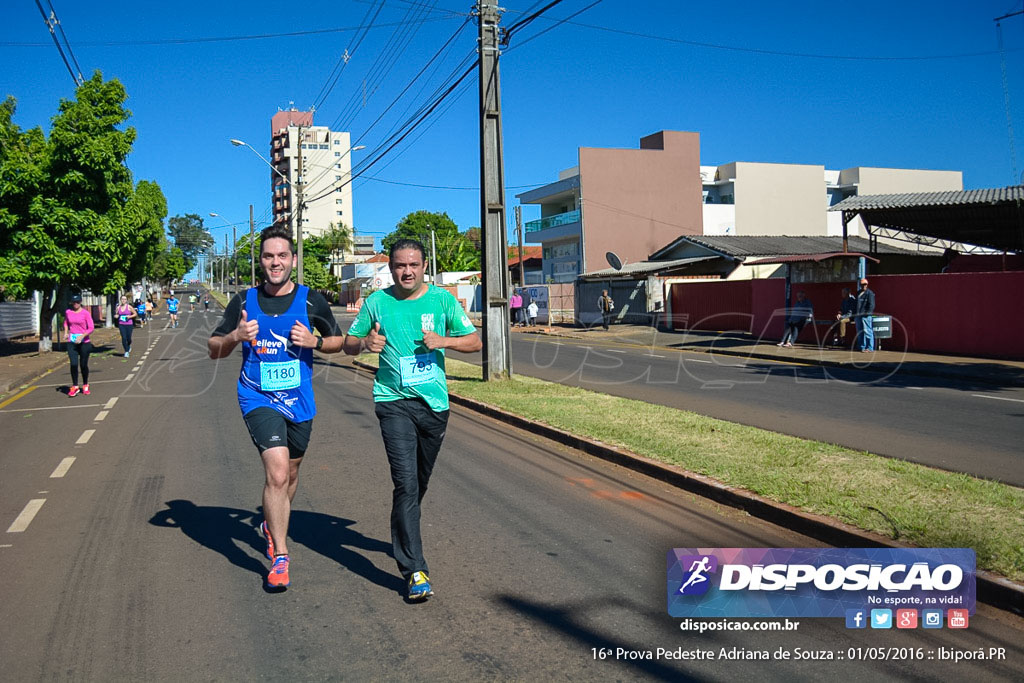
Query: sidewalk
x=986, y=371
x=21, y=362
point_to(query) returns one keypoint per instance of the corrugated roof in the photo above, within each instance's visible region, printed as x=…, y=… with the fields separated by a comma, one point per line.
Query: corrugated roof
x=920, y=199
x=992, y=218
x=645, y=267
x=782, y=245
x=804, y=258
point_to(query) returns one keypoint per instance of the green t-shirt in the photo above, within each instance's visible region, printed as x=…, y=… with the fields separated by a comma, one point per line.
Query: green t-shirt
x=407, y=369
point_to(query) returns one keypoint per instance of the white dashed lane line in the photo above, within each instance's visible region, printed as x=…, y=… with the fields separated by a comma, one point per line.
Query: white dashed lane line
x=63, y=467
x=999, y=398
x=110, y=403
x=22, y=521
x=84, y=438
x=101, y=416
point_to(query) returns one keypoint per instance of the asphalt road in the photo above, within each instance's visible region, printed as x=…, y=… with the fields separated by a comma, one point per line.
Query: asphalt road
x=977, y=429
x=143, y=561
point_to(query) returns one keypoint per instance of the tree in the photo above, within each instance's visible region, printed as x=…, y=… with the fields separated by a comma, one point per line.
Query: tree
x=73, y=223
x=190, y=236
x=455, y=251
x=169, y=264
x=22, y=162
x=337, y=238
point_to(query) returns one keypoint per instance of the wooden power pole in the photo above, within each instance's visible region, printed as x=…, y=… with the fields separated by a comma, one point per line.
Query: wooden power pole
x=497, y=358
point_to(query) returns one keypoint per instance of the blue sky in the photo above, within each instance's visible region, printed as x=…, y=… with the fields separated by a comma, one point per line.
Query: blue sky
x=891, y=84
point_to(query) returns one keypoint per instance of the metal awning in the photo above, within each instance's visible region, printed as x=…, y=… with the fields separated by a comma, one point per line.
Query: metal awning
x=644, y=268
x=990, y=218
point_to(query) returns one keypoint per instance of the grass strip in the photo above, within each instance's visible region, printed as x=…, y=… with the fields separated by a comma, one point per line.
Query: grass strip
x=893, y=498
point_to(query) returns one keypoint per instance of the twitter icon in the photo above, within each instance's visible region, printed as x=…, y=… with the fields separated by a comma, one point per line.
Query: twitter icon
x=881, y=618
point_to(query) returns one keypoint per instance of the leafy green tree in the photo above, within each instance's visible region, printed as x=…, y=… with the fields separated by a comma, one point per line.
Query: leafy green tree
x=314, y=275
x=455, y=251
x=22, y=173
x=169, y=264
x=190, y=236
x=337, y=238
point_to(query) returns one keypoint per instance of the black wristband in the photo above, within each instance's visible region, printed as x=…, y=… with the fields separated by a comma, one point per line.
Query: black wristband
x=319, y=343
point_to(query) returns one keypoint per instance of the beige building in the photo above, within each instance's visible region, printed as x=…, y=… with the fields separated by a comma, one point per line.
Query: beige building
x=326, y=170
x=628, y=201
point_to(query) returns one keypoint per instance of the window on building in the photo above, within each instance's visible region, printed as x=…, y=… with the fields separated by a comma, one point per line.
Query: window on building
x=338, y=189
x=337, y=142
x=337, y=177
x=339, y=201
x=340, y=213
x=325, y=146
x=337, y=154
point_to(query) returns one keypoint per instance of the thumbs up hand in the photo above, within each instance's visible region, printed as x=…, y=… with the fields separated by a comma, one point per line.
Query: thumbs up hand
x=247, y=329
x=432, y=340
x=375, y=341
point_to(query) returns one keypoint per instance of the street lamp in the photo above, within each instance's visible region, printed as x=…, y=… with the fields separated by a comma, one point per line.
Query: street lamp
x=296, y=229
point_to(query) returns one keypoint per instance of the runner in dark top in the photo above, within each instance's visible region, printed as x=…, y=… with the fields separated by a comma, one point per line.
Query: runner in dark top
x=273, y=324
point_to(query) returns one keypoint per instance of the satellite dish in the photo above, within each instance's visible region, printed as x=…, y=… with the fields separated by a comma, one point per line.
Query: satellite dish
x=613, y=260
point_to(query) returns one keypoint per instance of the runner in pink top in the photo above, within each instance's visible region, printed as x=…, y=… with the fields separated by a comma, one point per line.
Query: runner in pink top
x=77, y=326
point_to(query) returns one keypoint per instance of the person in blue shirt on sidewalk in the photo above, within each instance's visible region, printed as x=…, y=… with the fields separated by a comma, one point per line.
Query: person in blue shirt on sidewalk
x=865, y=323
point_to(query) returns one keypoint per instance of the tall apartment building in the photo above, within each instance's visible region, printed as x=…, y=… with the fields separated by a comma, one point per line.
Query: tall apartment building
x=326, y=163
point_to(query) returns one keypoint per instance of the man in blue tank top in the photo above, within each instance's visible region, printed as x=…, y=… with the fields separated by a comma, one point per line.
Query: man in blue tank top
x=274, y=324
x=172, y=309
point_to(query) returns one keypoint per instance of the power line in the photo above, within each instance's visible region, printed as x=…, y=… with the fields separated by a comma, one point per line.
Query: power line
x=218, y=39
x=345, y=56
x=51, y=21
x=553, y=26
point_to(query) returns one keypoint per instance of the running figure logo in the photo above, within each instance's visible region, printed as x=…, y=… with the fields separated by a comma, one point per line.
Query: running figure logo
x=696, y=582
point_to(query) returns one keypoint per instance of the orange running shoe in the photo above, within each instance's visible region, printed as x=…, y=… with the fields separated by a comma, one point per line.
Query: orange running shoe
x=278, y=576
x=270, y=539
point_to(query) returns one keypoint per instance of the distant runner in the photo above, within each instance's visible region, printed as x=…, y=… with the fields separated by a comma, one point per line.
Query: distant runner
x=78, y=326
x=410, y=324
x=126, y=316
x=275, y=386
x=172, y=309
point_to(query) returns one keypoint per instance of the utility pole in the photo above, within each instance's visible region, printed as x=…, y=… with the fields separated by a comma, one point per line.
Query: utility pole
x=519, y=233
x=433, y=253
x=252, y=249
x=234, y=254
x=223, y=267
x=298, y=206
x=497, y=358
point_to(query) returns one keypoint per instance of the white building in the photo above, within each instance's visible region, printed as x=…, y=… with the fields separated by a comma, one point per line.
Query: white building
x=744, y=198
x=326, y=170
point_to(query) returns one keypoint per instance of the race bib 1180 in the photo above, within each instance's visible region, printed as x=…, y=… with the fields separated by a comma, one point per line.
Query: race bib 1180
x=279, y=376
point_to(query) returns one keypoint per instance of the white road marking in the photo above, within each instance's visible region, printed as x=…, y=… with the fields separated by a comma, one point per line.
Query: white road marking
x=6, y=545
x=22, y=521
x=63, y=467
x=84, y=438
x=916, y=388
x=999, y=398
x=95, y=381
x=101, y=416
x=129, y=376
x=617, y=351
x=110, y=403
x=32, y=410
x=655, y=355
x=697, y=360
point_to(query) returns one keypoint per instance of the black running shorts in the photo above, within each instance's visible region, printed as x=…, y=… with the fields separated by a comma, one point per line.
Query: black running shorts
x=270, y=429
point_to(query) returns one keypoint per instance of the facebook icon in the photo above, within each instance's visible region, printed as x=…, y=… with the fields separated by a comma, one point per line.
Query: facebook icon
x=856, y=618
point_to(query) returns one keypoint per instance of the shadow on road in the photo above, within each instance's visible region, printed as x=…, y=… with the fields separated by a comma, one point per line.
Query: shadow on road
x=331, y=537
x=227, y=530
x=561, y=619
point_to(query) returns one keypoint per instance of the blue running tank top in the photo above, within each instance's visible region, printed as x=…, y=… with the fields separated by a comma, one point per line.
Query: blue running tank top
x=275, y=373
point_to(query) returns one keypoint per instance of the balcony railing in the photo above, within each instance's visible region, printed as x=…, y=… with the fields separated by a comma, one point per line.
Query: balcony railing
x=553, y=221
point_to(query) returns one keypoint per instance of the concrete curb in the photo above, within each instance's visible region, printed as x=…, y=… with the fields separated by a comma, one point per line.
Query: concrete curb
x=993, y=589
x=876, y=367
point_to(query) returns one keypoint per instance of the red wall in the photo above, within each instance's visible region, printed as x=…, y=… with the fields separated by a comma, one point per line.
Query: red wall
x=975, y=314
x=711, y=306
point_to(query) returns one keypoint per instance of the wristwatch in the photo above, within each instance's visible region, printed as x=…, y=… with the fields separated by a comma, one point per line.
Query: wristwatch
x=319, y=343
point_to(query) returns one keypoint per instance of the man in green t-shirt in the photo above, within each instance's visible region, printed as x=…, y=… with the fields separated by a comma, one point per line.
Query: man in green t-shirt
x=410, y=324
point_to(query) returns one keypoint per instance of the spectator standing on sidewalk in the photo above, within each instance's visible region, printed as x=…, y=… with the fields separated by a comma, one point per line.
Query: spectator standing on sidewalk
x=126, y=316
x=605, y=305
x=800, y=313
x=77, y=328
x=865, y=323
x=515, y=304
x=847, y=306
